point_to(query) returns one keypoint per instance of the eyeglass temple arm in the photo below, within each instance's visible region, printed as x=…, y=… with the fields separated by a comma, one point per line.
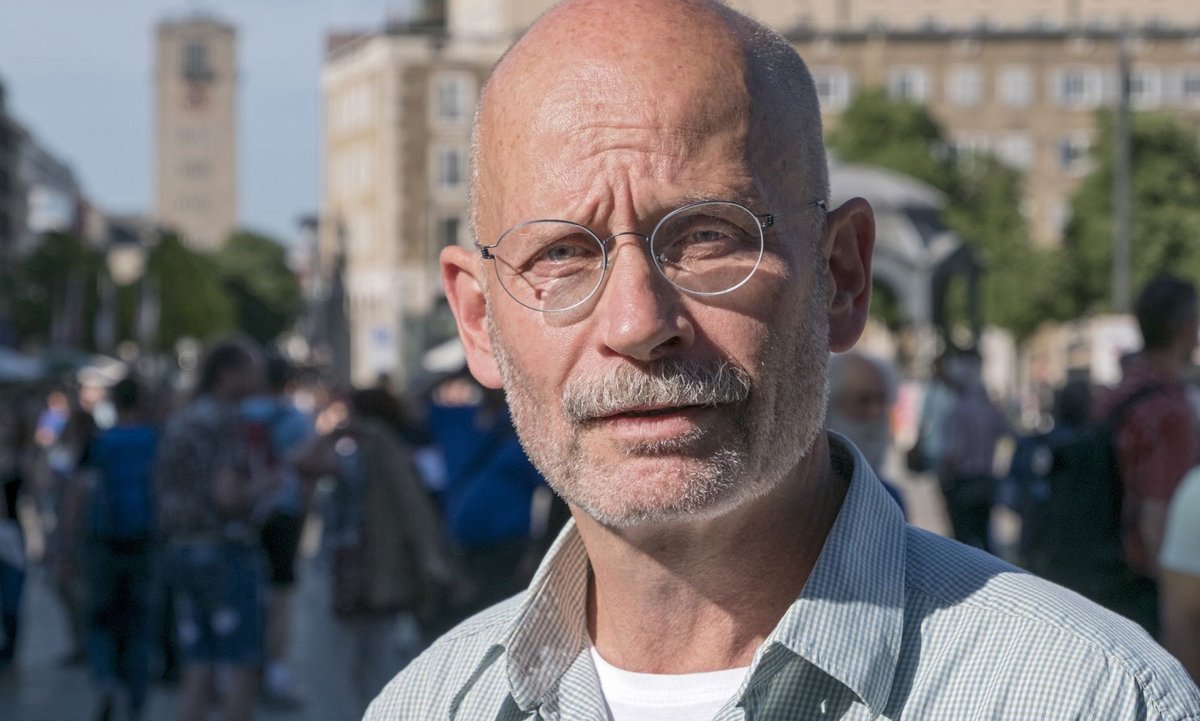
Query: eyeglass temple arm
x=766, y=220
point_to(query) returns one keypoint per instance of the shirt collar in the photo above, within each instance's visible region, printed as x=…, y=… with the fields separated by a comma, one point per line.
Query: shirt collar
x=848, y=620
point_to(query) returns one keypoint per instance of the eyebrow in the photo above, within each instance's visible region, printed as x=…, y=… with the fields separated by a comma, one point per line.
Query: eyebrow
x=748, y=198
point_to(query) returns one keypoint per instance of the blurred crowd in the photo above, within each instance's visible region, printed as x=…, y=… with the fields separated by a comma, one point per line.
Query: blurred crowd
x=169, y=523
x=1105, y=495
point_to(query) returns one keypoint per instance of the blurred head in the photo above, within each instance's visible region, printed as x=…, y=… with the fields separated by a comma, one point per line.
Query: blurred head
x=1073, y=403
x=861, y=393
x=380, y=405
x=126, y=396
x=1167, y=314
x=279, y=372
x=646, y=403
x=230, y=371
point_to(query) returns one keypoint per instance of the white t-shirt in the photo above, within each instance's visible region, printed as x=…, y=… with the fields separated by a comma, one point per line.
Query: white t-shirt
x=665, y=697
x=1181, y=544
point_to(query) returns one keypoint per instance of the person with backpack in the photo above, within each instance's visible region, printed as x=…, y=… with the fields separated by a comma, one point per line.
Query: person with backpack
x=389, y=559
x=119, y=553
x=1156, y=439
x=209, y=481
x=277, y=423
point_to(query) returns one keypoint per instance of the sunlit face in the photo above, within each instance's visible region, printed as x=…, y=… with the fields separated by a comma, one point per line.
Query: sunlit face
x=646, y=404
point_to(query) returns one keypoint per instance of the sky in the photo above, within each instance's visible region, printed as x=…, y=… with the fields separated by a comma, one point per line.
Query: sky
x=78, y=76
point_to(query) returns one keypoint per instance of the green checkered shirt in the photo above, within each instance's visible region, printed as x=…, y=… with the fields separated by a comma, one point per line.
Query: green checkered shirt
x=894, y=623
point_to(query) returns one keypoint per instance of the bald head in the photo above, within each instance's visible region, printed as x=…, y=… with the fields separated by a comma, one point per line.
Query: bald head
x=690, y=71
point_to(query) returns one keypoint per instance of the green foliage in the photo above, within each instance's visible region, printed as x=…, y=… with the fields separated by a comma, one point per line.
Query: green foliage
x=58, y=279
x=192, y=299
x=264, y=291
x=983, y=205
x=1166, y=211
x=902, y=136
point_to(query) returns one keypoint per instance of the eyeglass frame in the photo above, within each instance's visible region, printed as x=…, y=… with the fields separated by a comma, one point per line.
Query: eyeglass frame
x=765, y=221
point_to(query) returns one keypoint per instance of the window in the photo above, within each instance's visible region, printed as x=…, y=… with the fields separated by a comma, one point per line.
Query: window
x=1016, y=150
x=195, y=169
x=448, y=230
x=965, y=147
x=195, y=62
x=1073, y=153
x=834, y=87
x=1016, y=86
x=449, y=168
x=351, y=109
x=452, y=97
x=964, y=86
x=1189, y=86
x=908, y=84
x=1078, y=87
x=1145, y=87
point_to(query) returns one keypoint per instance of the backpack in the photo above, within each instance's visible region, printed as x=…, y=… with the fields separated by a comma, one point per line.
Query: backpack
x=121, y=509
x=1072, y=524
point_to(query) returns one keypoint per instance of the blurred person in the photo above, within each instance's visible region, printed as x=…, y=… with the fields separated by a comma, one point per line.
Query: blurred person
x=388, y=553
x=287, y=429
x=966, y=470
x=862, y=391
x=663, y=348
x=489, y=488
x=1157, y=439
x=209, y=479
x=16, y=439
x=939, y=398
x=63, y=516
x=1032, y=457
x=1179, y=575
x=119, y=555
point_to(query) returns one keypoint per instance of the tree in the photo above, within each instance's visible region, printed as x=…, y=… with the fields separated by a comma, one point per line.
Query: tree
x=904, y=137
x=191, y=298
x=1166, y=212
x=983, y=204
x=264, y=291
x=53, y=291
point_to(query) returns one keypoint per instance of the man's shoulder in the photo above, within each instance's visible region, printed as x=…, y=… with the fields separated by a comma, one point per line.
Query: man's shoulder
x=429, y=685
x=1025, y=632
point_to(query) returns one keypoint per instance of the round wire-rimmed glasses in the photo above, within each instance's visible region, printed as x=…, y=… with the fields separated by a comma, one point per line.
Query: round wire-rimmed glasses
x=706, y=248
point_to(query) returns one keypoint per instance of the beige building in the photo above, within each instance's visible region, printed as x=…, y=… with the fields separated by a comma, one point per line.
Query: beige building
x=1005, y=78
x=1029, y=97
x=196, y=130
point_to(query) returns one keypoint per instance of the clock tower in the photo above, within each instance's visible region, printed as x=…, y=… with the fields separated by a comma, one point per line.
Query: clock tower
x=196, y=130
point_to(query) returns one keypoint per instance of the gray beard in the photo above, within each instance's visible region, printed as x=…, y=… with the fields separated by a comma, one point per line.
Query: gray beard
x=770, y=432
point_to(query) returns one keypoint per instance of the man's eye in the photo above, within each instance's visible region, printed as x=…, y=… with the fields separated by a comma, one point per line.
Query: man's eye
x=562, y=252
x=564, y=255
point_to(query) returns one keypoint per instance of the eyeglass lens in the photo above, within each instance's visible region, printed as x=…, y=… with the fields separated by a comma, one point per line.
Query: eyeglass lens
x=707, y=248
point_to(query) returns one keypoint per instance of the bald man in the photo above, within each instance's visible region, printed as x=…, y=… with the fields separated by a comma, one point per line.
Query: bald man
x=657, y=284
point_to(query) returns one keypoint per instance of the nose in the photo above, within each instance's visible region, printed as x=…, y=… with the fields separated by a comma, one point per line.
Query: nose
x=639, y=310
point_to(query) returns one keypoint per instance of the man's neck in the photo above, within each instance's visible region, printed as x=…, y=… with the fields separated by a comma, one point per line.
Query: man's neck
x=703, y=595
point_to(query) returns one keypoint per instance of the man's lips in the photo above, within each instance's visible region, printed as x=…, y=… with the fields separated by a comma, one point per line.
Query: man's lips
x=646, y=412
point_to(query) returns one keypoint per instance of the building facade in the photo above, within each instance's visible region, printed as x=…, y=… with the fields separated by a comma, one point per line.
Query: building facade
x=1028, y=97
x=1021, y=80
x=196, y=130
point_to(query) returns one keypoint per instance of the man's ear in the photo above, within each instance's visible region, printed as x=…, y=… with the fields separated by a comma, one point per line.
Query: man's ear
x=849, y=242
x=463, y=280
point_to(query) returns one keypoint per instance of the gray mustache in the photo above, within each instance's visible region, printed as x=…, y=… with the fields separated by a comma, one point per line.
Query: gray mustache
x=667, y=383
